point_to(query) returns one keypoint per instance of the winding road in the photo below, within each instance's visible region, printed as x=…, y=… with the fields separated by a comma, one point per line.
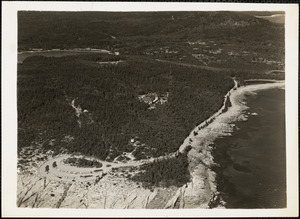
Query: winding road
x=68, y=173
x=65, y=172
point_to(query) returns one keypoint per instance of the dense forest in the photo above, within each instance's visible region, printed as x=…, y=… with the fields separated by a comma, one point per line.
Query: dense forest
x=82, y=162
x=82, y=104
x=224, y=39
x=165, y=173
x=114, y=114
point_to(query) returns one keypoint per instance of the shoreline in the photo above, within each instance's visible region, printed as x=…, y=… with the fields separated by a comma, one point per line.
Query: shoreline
x=203, y=189
x=250, y=163
x=200, y=156
x=201, y=192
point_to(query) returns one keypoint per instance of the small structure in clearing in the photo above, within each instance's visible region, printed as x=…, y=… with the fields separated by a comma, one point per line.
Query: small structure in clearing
x=152, y=99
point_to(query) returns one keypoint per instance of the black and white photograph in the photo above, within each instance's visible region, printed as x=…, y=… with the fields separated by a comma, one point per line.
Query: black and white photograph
x=150, y=106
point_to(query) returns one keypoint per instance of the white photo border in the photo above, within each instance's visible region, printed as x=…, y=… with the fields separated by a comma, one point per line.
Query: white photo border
x=9, y=106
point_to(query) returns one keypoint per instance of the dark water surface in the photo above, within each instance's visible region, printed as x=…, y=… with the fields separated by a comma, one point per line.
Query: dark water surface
x=252, y=162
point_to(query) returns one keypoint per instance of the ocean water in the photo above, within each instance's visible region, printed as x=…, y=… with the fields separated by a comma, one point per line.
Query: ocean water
x=251, y=162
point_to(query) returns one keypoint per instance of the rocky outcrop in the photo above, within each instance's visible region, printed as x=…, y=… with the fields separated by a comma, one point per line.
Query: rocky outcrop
x=115, y=191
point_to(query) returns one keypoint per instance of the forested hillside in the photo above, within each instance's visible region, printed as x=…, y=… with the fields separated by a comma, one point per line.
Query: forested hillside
x=167, y=172
x=132, y=102
x=114, y=114
x=224, y=39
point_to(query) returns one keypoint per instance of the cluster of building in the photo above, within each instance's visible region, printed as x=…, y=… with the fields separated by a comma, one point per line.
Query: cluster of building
x=152, y=99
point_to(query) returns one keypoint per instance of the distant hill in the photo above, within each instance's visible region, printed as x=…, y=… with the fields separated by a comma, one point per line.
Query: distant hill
x=276, y=18
x=94, y=29
x=165, y=74
x=219, y=39
x=263, y=13
x=273, y=16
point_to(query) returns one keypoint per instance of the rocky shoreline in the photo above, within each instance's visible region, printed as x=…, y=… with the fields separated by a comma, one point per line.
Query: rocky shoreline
x=203, y=185
x=115, y=191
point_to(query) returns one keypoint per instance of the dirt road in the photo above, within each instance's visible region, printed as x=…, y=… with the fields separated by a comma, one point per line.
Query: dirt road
x=68, y=173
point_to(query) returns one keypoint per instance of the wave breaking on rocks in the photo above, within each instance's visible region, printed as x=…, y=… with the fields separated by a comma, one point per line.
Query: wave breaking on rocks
x=113, y=191
x=202, y=192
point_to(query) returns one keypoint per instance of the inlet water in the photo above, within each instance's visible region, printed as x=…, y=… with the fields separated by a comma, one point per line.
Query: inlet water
x=251, y=163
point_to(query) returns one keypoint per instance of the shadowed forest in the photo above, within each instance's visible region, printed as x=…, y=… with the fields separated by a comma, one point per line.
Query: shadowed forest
x=75, y=104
